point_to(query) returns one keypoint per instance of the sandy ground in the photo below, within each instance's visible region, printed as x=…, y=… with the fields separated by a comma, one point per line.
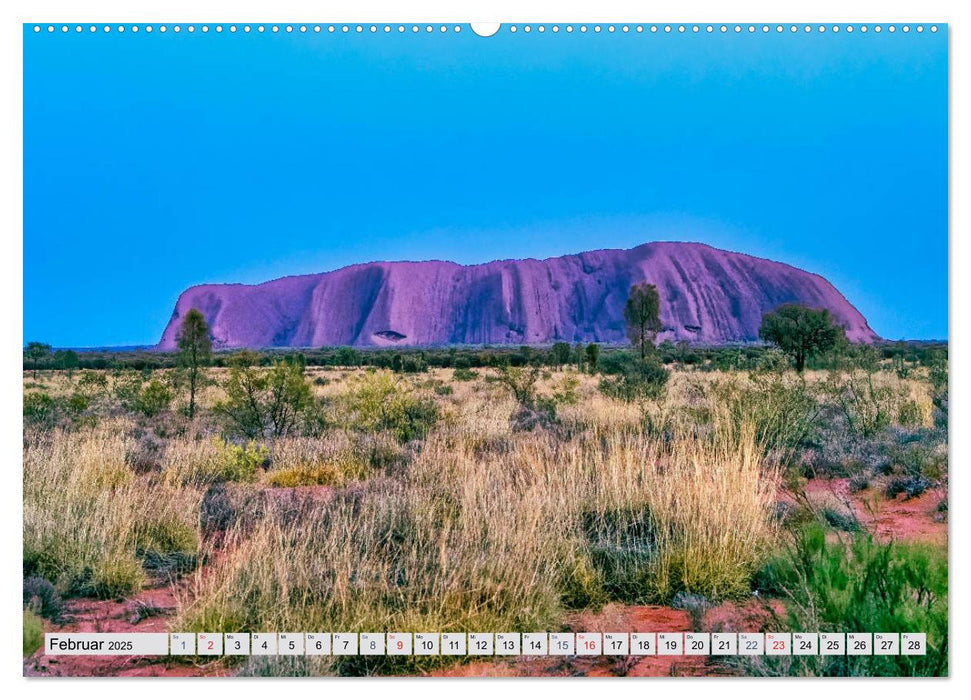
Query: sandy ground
x=914, y=520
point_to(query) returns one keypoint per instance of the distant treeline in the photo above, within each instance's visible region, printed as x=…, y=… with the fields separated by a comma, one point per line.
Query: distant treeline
x=585, y=357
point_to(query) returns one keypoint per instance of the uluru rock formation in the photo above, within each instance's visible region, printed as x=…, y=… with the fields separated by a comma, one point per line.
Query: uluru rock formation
x=708, y=296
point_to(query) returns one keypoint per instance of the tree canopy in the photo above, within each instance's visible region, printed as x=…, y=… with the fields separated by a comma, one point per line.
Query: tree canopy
x=642, y=313
x=195, y=349
x=801, y=332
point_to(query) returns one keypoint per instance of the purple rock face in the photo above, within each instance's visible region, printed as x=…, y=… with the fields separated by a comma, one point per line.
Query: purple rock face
x=708, y=296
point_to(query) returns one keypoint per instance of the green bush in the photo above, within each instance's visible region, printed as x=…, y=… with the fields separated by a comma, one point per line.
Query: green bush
x=860, y=585
x=463, y=374
x=40, y=409
x=154, y=398
x=867, y=406
x=265, y=402
x=566, y=392
x=637, y=379
x=782, y=409
x=238, y=462
x=379, y=401
x=78, y=403
x=33, y=633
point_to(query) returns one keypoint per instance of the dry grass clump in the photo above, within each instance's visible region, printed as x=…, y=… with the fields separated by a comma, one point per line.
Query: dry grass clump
x=90, y=524
x=507, y=537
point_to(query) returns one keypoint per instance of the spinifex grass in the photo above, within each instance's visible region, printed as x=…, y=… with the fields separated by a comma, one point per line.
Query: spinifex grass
x=472, y=539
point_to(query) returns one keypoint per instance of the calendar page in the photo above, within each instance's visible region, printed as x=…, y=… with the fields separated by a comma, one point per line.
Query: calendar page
x=515, y=349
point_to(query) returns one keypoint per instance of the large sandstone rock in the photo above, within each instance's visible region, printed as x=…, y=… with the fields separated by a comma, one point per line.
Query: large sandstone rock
x=708, y=296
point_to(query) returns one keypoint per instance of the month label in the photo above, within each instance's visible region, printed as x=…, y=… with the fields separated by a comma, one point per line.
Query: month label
x=107, y=644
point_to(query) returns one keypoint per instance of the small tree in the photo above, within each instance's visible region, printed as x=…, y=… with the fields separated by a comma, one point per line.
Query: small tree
x=642, y=313
x=347, y=357
x=561, y=353
x=801, y=332
x=593, y=356
x=67, y=360
x=261, y=402
x=195, y=349
x=35, y=352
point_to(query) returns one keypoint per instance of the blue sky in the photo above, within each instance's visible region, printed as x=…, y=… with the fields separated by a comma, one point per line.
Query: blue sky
x=156, y=161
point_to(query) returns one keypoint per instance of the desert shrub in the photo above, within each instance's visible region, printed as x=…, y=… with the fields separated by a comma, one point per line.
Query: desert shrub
x=858, y=483
x=910, y=414
x=233, y=462
x=40, y=410
x=841, y=519
x=859, y=584
x=526, y=419
x=42, y=598
x=92, y=383
x=154, y=398
x=463, y=374
x=444, y=389
x=566, y=392
x=521, y=383
x=333, y=474
x=33, y=632
x=126, y=389
x=910, y=486
x=265, y=402
x=636, y=379
x=78, y=403
x=381, y=402
x=772, y=360
x=709, y=490
x=867, y=406
x=533, y=409
x=782, y=410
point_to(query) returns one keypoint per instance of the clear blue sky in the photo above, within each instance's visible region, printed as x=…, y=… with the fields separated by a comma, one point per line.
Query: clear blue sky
x=153, y=162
